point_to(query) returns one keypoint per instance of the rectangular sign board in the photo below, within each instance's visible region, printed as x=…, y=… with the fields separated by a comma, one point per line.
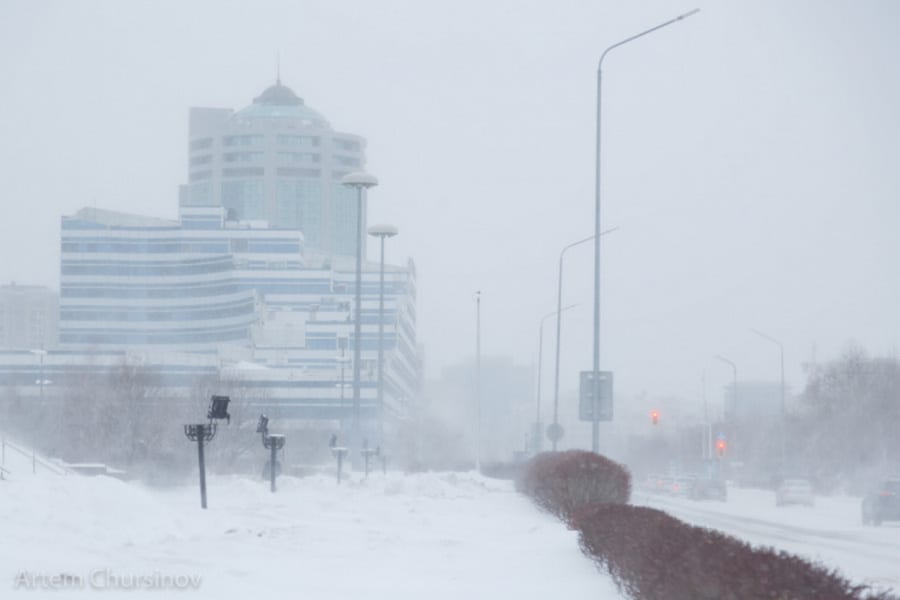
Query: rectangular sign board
x=586, y=396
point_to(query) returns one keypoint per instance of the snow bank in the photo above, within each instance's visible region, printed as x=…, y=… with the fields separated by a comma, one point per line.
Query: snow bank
x=434, y=535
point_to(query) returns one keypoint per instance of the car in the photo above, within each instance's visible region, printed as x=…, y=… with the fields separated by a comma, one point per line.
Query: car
x=683, y=486
x=882, y=503
x=794, y=491
x=709, y=488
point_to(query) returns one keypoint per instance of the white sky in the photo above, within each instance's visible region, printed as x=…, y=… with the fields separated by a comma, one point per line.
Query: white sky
x=750, y=158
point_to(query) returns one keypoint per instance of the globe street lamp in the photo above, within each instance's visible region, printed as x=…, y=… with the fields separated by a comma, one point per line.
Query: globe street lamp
x=595, y=425
x=382, y=232
x=361, y=181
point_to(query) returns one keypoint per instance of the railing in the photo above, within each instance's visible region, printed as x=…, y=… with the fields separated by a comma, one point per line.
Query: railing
x=35, y=460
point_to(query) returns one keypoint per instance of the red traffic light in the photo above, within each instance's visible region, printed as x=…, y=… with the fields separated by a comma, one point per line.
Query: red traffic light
x=720, y=447
x=654, y=416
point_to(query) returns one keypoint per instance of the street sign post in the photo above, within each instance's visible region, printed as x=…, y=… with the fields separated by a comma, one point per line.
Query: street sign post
x=586, y=396
x=555, y=432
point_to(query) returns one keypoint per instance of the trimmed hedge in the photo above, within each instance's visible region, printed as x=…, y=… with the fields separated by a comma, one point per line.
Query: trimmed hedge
x=652, y=555
x=563, y=482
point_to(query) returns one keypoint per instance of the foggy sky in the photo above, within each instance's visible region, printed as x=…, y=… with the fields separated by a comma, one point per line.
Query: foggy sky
x=750, y=159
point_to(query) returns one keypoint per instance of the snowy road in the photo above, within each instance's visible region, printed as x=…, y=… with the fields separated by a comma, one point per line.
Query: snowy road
x=423, y=536
x=830, y=532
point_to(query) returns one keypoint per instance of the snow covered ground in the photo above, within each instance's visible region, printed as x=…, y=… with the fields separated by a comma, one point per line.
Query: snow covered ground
x=420, y=536
x=830, y=532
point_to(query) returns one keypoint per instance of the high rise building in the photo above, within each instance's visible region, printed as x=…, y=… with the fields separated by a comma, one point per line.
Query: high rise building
x=278, y=161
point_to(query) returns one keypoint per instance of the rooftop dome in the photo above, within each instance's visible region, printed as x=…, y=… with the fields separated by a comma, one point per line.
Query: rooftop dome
x=278, y=95
x=280, y=102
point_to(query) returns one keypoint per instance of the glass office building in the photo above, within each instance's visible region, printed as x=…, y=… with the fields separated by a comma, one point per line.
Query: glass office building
x=278, y=161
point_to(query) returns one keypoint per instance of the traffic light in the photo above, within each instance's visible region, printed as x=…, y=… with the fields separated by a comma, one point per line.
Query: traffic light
x=654, y=416
x=721, y=446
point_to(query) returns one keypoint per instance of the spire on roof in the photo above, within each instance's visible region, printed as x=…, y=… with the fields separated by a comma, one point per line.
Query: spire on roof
x=278, y=67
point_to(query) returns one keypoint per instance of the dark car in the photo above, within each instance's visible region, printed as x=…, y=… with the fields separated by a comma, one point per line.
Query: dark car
x=882, y=503
x=710, y=488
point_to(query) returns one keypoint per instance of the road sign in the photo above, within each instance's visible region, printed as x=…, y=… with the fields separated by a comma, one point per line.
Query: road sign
x=555, y=432
x=586, y=396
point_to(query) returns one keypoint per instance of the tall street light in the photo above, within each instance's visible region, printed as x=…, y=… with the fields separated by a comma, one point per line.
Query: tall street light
x=361, y=181
x=735, y=374
x=382, y=232
x=783, y=406
x=559, y=331
x=595, y=425
x=478, y=381
x=538, y=433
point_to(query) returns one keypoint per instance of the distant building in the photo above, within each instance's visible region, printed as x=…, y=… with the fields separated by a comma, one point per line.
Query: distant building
x=754, y=399
x=279, y=161
x=507, y=407
x=246, y=295
x=28, y=316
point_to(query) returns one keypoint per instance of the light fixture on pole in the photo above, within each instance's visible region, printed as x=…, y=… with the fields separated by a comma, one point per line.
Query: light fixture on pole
x=539, y=434
x=382, y=232
x=595, y=424
x=768, y=337
x=362, y=182
x=478, y=381
x=562, y=254
x=735, y=374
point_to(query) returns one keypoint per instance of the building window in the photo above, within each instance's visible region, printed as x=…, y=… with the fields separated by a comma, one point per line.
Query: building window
x=201, y=144
x=298, y=206
x=299, y=157
x=347, y=145
x=298, y=141
x=243, y=172
x=298, y=172
x=244, y=198
x=242, y=157
x=242, y=140
x=347, y=161
x=204, y=159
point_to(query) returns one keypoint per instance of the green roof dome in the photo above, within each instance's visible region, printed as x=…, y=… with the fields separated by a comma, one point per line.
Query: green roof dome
x=280, y=102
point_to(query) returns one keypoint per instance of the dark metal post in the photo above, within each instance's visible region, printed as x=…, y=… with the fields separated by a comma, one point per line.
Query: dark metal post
x=478, y=380
x=595, y=422
x=202, y=461
x=339, y=454
x=200, y=433
x=272, y=468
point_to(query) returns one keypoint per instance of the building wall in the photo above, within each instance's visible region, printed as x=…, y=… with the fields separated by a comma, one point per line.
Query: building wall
x=28, y=317
x=279, y=161
x=274, y=317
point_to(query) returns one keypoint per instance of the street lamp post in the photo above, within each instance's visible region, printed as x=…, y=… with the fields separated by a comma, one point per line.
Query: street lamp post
x=361, y=181
x=595, y=425
x=538, y=433
x=735, y=374
x=783, y=406
x=478, y=381
x=382, y=232
x=40, y=354
x=562, y=254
